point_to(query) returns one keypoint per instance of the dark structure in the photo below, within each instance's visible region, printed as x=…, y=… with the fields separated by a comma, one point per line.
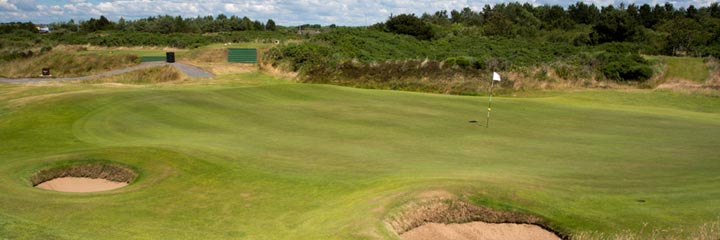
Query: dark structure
x=170, y=57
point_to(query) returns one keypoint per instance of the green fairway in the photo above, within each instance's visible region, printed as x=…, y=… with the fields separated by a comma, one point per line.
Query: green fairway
x=268, y=159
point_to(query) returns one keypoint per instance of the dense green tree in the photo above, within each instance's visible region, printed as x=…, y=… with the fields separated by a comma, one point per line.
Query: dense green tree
x=270, y=25
x=554, y=17
x=691, y=12
x=17, y=26
x=714, y=10
x=646, y=16
x=257, y=25
x=685, y=36
x=409, y=24
x=615, y=26
x=498, y=24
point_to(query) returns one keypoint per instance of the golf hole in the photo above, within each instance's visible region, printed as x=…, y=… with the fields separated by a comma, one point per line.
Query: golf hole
x=87, y=177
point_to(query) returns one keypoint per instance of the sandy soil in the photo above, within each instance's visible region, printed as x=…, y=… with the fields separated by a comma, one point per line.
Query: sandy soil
x=75, y=184
x=478, y=231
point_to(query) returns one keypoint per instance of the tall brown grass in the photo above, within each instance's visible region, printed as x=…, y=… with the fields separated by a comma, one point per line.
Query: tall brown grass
x=160, y=74
x=64, y=61
x=438, y=77
x=706, y=231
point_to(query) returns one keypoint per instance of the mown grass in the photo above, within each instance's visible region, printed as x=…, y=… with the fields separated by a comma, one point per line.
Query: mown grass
x=253, y=157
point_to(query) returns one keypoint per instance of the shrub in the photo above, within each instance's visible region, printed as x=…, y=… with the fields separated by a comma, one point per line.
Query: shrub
x=626, y=68
x=409, y=24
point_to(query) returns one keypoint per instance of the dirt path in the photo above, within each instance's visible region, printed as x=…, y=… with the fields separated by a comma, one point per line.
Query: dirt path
x=478, y=231
x=189, y=70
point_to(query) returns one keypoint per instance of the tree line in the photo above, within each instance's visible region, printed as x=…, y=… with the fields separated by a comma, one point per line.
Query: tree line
x=665, y=29
x=168, y=24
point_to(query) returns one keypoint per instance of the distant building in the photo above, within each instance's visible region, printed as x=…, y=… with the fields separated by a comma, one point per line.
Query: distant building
x=43, y=28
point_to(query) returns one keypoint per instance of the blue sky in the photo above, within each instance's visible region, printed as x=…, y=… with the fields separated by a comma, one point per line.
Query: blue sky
x=284, y=12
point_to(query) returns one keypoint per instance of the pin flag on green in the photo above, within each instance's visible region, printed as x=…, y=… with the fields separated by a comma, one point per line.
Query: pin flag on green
x=496, y=77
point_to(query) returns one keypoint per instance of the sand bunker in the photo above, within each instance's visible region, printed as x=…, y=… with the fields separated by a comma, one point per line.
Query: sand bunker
x=79, y=184
x=84, y=177
x=478, y=231
x=445, y=216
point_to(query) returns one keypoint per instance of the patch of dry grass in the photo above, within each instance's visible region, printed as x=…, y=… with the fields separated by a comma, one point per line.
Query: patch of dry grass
x=64, y=61
x=710, y=87
x=160, y=74
x=707, y=231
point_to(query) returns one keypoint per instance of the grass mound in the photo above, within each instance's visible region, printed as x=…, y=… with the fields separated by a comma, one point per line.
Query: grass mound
x=109, y=171
x=66, y=62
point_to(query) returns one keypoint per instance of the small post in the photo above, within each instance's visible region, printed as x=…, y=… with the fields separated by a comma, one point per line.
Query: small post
x=496, y=77
x=170, y=57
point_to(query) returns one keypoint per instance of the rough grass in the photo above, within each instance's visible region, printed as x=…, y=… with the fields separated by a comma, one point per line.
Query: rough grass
x=135, y=51
x=251, y=157
x=707, y=231
x=694, y=81
x=684, y=68
x=65, y=62
x=161, y=74
x=438, y=77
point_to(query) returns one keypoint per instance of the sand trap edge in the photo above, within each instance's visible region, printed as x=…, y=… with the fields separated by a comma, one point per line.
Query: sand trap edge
x=456, y=211
x=94, y=170
x=80, y=185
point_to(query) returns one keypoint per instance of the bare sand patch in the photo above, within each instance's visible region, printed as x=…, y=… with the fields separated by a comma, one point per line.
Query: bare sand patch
x=84, y=177
x=478, y=231
x=80, y=184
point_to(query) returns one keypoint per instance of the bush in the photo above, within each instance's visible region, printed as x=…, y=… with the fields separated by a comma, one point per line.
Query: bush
x=411, y=25
x=626, y=67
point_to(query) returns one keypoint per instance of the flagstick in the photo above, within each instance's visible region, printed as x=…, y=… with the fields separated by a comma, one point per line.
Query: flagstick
x=487, y=121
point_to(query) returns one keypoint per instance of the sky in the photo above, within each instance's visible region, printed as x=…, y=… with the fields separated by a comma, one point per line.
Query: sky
x=283, y=12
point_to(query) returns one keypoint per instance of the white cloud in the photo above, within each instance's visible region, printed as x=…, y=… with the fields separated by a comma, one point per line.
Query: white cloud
x=284, y=12
x=7, y=6
x=229, y=7
x=25, y=5
x=106, y=7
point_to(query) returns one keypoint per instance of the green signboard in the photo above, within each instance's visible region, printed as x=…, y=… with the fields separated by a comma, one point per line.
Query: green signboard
x=242, y=55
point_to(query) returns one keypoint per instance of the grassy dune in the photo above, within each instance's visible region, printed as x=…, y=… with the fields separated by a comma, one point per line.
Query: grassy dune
x=685, y=68
x=260, y=159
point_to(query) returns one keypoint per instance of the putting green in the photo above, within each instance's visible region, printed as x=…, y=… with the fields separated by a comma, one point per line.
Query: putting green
x=294, y=161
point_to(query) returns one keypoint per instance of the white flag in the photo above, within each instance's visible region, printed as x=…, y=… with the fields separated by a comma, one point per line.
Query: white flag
x=496, y=76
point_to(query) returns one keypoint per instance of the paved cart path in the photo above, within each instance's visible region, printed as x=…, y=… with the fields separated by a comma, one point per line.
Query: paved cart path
x=190, y=70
